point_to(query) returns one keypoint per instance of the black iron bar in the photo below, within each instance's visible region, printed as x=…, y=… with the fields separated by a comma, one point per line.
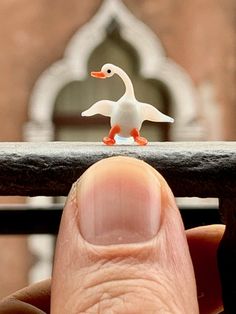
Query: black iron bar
x=46, y=221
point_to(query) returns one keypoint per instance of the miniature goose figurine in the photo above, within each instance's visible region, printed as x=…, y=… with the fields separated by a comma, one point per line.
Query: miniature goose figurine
x=127, y=114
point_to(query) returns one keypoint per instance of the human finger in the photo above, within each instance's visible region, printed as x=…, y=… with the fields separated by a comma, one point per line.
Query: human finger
x=122, y=246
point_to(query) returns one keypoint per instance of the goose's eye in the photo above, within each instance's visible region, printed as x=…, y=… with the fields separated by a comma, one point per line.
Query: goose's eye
x=108, y=71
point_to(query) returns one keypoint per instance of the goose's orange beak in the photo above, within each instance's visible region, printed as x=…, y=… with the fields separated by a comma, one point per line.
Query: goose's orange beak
x=100, y=75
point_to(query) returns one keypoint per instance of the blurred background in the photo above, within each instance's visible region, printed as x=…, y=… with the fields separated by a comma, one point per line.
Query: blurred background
x=179, y=54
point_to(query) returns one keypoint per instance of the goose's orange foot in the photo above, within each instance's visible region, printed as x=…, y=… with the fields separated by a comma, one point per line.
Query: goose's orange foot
x=109, y=141
x=138, y=139
x=141, y=141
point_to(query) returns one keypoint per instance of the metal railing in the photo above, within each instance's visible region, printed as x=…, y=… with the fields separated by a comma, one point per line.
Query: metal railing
x=25, y=219
x=201, y=169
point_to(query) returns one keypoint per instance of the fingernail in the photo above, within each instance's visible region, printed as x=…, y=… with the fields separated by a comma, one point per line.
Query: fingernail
x=119, y=203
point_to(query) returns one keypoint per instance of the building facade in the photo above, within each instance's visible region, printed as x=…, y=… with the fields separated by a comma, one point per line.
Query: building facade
x=180, y=55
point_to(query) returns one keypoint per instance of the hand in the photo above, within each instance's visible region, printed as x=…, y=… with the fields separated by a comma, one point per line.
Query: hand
x=122, y=248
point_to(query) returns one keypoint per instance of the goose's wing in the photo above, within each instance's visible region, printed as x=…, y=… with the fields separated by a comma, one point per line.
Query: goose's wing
x=150, y=113
x=103, y=107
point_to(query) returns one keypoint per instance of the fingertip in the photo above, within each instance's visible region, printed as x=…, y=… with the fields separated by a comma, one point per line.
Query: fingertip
x=120, y=210
x=203, y=243
x=32, y=299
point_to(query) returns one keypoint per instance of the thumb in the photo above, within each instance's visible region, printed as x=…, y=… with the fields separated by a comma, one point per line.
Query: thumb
x=121, y=246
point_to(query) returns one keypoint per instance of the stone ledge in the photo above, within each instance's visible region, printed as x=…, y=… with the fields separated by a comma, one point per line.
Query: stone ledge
x=202, y=169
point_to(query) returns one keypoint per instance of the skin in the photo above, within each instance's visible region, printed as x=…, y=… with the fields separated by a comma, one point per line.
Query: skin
x=153, y=275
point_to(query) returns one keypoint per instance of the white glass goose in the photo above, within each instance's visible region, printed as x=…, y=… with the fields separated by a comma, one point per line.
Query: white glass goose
x=127, y=114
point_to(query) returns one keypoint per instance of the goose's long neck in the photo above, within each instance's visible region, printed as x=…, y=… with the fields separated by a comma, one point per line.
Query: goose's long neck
x=128, y=84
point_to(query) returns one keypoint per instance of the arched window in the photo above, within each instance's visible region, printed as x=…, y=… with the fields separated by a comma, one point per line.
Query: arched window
x=115, y=34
